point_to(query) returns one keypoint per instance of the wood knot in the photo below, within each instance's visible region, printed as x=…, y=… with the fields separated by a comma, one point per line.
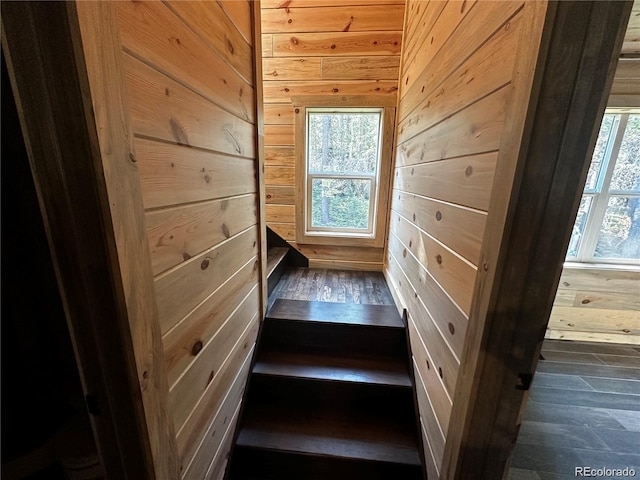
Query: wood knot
x=145, y=375
x=211, y=375
x=333, y=46
x=132, y=157
x=230, y=45
x=452, y=329
x=439, y=259
x=428, y=365
x=334, y=90
x=197, y=347
x=468, y=171
x=290, y=21
x=205, y=264
x=297, y=110
x=440, y=372
x=414, y=217
x=585, y=301
x=438, y=215
x=404, y=252
x=294, y=40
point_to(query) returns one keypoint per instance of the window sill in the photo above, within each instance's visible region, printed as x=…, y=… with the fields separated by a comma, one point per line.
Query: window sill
x=625, y=267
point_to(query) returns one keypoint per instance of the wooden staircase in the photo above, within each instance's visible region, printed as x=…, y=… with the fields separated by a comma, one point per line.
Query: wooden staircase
x=330, y=397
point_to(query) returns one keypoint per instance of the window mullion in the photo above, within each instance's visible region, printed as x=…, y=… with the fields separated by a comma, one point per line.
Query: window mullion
x=601, y=197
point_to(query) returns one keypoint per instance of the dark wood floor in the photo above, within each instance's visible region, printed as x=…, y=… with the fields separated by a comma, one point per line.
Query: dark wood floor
x=335, y=286
x=583, y=410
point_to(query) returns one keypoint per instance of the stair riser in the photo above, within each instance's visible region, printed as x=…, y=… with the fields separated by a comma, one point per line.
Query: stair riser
x=250, y=464
x=358, y=398
x=309, y=336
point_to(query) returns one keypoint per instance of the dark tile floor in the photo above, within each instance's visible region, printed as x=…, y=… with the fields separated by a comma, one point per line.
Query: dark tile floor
x=583, y=411
x=334, y=286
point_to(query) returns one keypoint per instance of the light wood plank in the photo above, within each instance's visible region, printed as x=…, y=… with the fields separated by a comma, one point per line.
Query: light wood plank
x=239, y=11
x=283, y=91
x=218, y=467
x=435, y=439
x=180, y=290
x=608, y=301
x=278, y=114
x=490, y=68
x=222, y=427
x=330, y=252
x=443, y=360
x=173, y=174
x=324, y=3
x=330, y=44
x=281, y=213
x=281, y=195
x=420, y=19
x=618, y=322
x=592, y=337
x=345, y=265
x=216, y=28
x=152, y=31
x=187, y=391
x=278, y=175
x=291, y=68
x=164, y=109
x=286, y=230
x=600, y=279
x=278, y=135
x=267, y=45
x=458, y=228
x=447, y=316
x=449, y=19
x=190, y=435
x=335, y=18
x=365, y=68
x=475, y=129
x=475, y=29
x=177, y=234
x=463, y=181
x=184, y=343
x=454, y=274
x=278, y=155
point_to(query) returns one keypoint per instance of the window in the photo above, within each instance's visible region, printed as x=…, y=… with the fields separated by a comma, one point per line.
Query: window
x=342, y=169
x=343, y=157
x=607, y=228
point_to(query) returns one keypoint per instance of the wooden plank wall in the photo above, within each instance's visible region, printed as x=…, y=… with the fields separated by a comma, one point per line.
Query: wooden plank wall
x=457, y=80
x=190, y=78
x=597, y=305
x=321, y=47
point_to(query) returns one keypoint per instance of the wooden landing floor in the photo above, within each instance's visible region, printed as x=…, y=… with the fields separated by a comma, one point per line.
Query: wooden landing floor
x=583, y=410
x=335, y=286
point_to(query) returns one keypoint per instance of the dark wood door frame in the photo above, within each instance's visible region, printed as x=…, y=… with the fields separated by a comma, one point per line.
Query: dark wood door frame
x=526, y=239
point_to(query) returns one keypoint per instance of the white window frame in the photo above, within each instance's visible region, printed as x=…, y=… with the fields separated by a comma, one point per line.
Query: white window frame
x=600, y=196
x=374, y=178
x=380, y=197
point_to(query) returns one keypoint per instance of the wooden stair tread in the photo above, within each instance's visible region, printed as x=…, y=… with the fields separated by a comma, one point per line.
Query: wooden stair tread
x=380, y=371
x=344, y=313
x=274, y=256
x=327, y=432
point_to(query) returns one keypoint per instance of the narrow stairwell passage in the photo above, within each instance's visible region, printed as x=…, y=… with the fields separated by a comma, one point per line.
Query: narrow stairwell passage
x=330, y=394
